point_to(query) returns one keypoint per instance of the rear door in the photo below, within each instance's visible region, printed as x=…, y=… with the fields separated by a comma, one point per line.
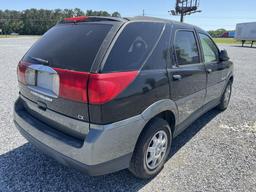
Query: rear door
x=188, y=75
x=58, y=66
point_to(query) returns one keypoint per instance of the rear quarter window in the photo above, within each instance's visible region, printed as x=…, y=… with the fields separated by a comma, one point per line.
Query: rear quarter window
x=159, y=57
x=133, y=46
x=70, y=46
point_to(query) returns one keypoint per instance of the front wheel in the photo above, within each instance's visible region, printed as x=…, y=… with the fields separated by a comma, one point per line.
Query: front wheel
x=225, y=97
x=152, y=149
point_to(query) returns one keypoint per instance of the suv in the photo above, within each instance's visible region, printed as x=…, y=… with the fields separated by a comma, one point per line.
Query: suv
x=104, y=94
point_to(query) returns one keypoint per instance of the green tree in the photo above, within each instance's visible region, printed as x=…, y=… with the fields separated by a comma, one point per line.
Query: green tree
x=78, y=12
x=116, y=14
x=38, y=21
x=217, y=33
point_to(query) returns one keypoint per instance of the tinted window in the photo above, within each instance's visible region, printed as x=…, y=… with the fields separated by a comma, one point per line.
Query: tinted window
x=158, y=59
x=186, y=48
x=70, y=46
x=210, y=51
x=133, y=46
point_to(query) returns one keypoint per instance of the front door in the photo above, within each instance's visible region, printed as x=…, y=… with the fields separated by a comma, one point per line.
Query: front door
x=214, y=68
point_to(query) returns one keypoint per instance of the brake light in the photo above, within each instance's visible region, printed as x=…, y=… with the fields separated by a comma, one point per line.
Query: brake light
x=102, y=88
x=76, y=19
x=73, y=85
x=21, y=71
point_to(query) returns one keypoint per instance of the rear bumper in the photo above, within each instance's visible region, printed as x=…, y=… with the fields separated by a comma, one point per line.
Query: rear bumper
x=106, y=148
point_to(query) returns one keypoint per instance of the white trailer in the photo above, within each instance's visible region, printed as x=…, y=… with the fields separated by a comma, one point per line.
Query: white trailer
x=246, y=32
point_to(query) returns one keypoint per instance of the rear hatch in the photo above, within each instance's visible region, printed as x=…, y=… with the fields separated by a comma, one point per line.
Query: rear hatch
x=54, y=73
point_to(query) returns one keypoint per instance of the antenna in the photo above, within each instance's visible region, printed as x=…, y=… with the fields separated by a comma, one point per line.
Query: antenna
x=185, y=7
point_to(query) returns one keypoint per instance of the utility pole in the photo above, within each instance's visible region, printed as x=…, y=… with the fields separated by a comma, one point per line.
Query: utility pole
x=182, y=17
x=185, y=7
x=143, y=12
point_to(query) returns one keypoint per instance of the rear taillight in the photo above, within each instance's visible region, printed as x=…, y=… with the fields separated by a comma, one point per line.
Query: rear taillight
x=21, y=71
x=73, y=85
x=103, y=88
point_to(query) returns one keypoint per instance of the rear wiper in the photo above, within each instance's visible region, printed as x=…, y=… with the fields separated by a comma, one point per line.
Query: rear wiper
x=39, y=60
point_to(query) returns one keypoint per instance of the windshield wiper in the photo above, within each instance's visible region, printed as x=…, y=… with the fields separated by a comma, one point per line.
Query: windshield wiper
x=39, y=60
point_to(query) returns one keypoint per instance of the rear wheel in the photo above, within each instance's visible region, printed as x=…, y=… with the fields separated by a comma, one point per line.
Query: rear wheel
x=152, y=149
x=226, y=97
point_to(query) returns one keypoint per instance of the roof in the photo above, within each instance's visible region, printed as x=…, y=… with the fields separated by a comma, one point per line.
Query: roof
x=156, y=19
x=91, y=19
x=126, y=19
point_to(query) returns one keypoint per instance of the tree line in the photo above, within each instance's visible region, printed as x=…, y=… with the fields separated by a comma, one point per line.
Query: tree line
x=217, y=33
x=38, y=21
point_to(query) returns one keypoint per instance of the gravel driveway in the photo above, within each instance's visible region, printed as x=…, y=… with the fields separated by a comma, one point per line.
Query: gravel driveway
x=216, y=153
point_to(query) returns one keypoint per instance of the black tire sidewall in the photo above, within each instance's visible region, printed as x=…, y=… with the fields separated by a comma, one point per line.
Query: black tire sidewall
x=222, y=105
x=151, y=129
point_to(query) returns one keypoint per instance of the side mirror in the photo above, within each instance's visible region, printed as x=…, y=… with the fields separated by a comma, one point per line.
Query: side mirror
x=224, y=55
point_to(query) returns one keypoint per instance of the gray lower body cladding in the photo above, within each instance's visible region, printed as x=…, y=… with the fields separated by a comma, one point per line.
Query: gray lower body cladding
x=105, y=149
x=93, y=170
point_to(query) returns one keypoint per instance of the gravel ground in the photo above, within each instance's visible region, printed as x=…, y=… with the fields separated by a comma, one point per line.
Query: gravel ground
x=216, y=153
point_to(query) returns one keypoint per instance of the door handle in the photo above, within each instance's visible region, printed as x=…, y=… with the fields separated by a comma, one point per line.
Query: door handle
x=209, y=70
x=176, y=77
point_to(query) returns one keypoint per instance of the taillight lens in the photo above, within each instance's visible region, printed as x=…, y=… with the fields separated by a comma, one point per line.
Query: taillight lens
x=73, y=85
x=21, y=71
x=103, y=88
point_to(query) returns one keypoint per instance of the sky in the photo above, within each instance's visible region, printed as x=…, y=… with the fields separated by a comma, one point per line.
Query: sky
x=215, y=13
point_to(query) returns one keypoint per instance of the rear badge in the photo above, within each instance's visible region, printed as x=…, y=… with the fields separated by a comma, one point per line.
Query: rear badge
x=80, y=117
x=41, y=96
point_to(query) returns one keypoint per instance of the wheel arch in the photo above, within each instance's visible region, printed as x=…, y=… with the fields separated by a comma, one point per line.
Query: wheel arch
x=165, y=109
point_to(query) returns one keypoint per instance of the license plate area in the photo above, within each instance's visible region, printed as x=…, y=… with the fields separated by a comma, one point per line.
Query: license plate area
x=43, y=80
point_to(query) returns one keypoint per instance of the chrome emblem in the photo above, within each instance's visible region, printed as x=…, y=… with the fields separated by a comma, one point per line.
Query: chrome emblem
x=41, y=96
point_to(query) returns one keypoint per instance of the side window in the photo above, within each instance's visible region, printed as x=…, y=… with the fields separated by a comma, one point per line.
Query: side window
x=133, y=46
x=186, y=48
x=159, y=57
x=210, y=51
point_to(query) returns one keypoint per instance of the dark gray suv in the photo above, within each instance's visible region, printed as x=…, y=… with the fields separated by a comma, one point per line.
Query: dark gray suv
x=104, y=94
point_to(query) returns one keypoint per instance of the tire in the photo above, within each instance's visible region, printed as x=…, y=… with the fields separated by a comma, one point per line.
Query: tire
x=225, y=99
x=140, y=165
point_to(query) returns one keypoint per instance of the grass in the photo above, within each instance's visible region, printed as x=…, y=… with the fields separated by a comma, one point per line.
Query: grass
x=226, y=41
x=6, y=36
x=229, y=41
x=15, y=36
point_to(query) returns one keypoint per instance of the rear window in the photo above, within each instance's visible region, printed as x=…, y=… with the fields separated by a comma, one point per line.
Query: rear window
x=133, y=46
x=70, y=46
